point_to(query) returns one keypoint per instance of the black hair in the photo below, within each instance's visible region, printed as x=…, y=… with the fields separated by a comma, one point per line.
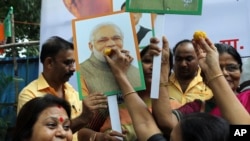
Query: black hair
x=53, y=46
x=30, y=112
x=144, y=51
x=204, y=127
x=181, y=42
x=123, y=5
x=225, y=48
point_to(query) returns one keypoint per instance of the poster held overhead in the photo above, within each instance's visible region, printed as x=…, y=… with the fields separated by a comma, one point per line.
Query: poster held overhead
x=184, y=7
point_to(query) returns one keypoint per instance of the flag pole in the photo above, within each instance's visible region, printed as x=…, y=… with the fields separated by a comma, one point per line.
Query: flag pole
x=13, y=41
x=12, y=25
x=14, y=51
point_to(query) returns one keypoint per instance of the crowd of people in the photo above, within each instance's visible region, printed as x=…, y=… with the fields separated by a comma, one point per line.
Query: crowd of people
x=197, y=93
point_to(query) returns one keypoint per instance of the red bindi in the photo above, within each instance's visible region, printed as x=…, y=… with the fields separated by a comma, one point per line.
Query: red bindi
x=59, y=106
x=61, y=119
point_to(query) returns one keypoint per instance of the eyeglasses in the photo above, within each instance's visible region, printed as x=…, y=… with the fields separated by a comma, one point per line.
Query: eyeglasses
x=231, y=67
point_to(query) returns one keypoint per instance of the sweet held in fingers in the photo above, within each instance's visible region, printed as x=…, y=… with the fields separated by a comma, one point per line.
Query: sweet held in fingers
x=199, y=34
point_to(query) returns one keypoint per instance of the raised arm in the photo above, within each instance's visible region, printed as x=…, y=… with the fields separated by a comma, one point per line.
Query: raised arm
x=229, y=105
x=142, y=119
x=161, y=107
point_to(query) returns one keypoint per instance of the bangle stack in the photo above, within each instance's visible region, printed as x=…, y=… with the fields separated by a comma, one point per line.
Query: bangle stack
x=214, y=77
x=126, y=94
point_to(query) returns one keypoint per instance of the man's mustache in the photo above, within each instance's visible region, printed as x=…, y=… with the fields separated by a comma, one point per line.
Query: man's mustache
x=70, y=73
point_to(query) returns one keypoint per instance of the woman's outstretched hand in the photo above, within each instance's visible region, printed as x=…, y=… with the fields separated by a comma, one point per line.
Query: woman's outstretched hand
x=208, y=57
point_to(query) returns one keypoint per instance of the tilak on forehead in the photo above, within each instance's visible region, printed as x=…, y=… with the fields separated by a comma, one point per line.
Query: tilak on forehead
x=60, y=118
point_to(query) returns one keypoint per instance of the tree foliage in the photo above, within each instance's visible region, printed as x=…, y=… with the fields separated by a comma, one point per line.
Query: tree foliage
x=26, y=16
x=26, y=22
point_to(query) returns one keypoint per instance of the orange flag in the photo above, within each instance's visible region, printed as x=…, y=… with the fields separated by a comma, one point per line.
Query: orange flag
x=1, y=32
x=1, y=37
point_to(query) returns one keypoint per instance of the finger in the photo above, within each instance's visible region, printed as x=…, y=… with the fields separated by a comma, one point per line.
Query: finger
x=115, y=133
x=98, y=98
x=126, y=52
x=211, y=44
x=101, y=101
x=96, y=101
x=196, y=48
x=165, y=44
x=204, y=44
x=118, y=52
x=154, y=50
x=108, y=59
x=129, y=58
x=154, y=40
x=154, y=46
x=102, y=106
x=97, y=94
x=124, y=131
x=98, y=106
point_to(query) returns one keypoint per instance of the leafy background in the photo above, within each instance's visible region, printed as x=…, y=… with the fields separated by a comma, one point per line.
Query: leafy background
x=26, y=15
x=27, y=28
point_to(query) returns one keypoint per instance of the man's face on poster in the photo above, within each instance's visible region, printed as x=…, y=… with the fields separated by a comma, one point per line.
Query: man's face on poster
x=87, y=8
x=106, y=37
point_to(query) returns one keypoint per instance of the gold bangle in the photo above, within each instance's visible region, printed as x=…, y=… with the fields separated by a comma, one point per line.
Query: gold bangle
x=214, y=77
x=92, y=138
x=164, y=84
x=126, y=94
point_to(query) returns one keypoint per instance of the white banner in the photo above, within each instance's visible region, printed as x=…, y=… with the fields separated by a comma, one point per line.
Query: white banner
x=226, y=21
x=223, y=20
